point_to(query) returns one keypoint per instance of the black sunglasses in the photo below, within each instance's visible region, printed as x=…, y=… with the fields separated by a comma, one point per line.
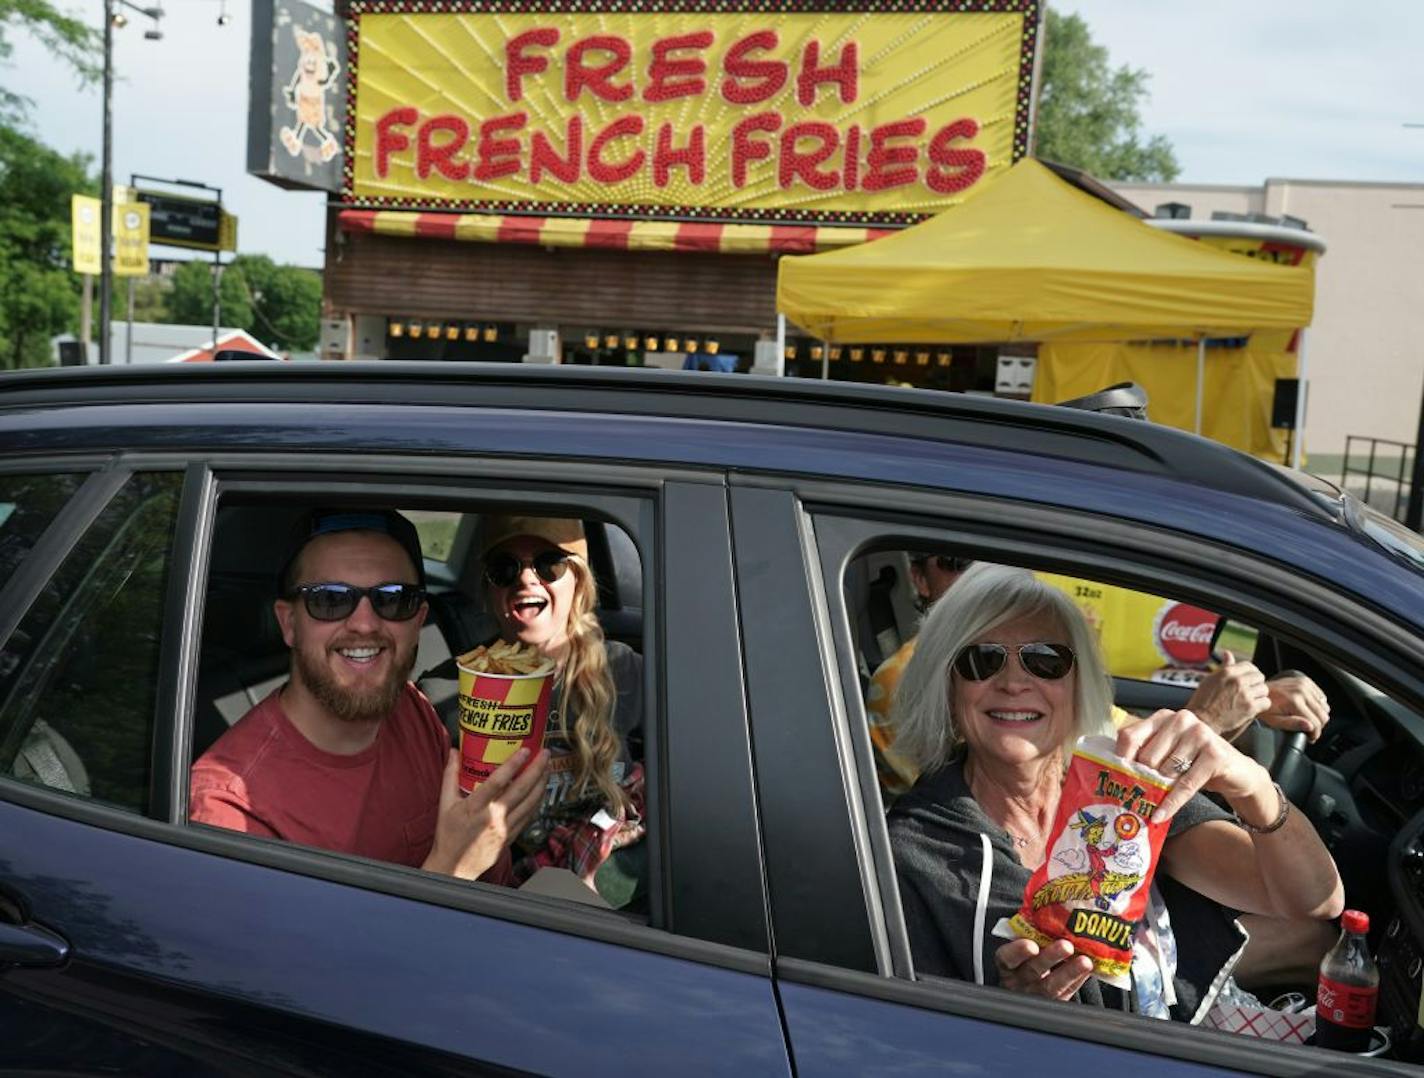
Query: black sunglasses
x=1048, y=662
x=502, y=570
x=332, y=602
x=945, y=563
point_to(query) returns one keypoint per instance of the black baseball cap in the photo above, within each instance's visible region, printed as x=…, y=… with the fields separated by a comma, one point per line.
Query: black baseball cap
x=320, y=522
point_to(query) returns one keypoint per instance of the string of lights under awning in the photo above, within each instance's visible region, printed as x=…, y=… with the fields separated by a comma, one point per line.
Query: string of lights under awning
x=606, y=233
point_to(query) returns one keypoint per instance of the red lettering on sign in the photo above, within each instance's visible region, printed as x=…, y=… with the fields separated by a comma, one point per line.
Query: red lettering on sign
x=768, y=76
x=796, y=165
x=852, y=158
x=692, y=157
x=598, y=78
x=543, y=156
x=600, y=169
x=745, y=149
x=429, y=154
x=687, y=72
x=389, y=140
x=844, y=74
x=499, y=157
x=959, y=168
x=892, y=166
x=517, y=65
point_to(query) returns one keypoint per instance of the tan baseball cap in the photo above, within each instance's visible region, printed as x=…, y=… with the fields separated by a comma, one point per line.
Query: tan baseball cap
x=566, y=533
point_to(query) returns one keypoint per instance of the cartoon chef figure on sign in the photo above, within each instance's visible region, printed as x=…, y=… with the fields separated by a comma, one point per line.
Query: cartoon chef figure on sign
x=306, y=94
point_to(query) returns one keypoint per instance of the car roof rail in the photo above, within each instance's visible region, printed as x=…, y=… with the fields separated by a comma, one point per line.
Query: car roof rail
x=997, y=423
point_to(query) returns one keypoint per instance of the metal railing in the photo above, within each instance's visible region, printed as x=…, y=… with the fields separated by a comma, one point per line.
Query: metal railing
x=1386, y=475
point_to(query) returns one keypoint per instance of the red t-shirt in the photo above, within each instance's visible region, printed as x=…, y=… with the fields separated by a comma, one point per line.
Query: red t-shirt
x=265, y=778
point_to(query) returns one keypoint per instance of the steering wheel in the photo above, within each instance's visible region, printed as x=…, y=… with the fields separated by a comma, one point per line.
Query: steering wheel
x=1291, y=769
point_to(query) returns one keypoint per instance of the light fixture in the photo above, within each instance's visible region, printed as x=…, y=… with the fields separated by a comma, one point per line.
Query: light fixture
x=472, y=333
x=590, y=340
x=790, y=351
x=877, y=355
x=650, y=344
x=630, y=342
x=857, y=354
x=942, y=359
x=433, y=331
x=610, y=340
x=713, y=347
x=491, y=333
x=901, y=355
x=223, y=17
x=690, y=346
x=452, y=332
x=670, y=345
x=119, y=20
x=835, y=353
x=922, y=359
x=416, y=329
x=817, y=351
x=396, y=329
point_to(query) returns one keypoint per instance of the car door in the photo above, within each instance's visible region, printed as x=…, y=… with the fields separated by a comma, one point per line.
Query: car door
x=841, y=959
x=131, y=941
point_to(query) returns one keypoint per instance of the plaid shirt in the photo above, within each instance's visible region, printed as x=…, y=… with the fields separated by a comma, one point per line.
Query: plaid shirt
x=581, y=846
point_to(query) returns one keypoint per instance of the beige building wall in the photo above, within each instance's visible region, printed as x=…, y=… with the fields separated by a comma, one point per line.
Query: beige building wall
x=1365, y=350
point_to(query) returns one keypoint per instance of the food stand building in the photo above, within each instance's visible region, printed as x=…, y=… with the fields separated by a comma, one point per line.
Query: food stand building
x=563, y=181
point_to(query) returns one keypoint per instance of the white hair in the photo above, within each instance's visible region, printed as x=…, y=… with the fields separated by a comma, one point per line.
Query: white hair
x=984, y=598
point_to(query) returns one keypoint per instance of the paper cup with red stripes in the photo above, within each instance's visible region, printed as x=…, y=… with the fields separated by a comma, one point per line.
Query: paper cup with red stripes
x=499, y=713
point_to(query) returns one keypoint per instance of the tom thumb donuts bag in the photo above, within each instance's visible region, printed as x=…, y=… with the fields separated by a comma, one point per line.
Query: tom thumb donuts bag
x=1092, y=888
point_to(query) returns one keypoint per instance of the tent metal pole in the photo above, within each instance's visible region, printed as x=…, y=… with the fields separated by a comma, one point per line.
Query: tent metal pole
x=1298, y=435
x=825, y=362
x=780, y=343
x=1201, y=378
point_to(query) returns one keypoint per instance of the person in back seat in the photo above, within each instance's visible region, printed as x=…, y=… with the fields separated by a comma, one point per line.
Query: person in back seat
x=348, y=755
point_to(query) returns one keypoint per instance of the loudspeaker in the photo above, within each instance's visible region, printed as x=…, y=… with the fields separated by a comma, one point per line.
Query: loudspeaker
x=71, y=354
x=1283, y=404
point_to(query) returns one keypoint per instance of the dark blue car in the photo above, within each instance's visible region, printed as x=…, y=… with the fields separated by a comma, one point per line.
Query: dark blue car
x=735, y=525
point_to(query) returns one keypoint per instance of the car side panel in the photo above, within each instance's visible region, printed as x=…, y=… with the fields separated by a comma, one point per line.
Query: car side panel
x=179, y=946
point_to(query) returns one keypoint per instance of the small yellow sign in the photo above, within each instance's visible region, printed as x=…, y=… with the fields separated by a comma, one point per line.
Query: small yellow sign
x=84, y=223
x=227, y=232
x=131, y=240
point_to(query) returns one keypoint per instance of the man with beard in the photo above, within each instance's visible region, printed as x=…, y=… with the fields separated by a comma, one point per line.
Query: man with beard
x=348, y=755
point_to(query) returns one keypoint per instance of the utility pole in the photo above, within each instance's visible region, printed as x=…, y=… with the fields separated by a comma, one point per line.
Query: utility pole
x=106, y=191
x=1414, y=510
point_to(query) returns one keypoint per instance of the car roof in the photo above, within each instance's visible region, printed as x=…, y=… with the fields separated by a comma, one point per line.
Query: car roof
x=1068, y=434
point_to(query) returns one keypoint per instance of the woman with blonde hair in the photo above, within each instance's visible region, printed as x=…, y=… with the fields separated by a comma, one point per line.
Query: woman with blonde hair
x=541, y=590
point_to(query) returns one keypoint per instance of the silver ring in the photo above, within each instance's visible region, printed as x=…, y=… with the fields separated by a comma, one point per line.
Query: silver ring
x=1180, y=765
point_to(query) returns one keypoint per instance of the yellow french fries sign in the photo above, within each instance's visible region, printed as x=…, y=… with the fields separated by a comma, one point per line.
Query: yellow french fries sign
x=84, y=224
x=875, y=111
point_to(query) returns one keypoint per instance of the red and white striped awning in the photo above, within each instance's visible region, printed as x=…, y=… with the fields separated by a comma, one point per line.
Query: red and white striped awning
x=602, y=232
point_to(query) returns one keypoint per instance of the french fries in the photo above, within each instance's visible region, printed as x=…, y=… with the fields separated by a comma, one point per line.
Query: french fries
x=505, y=658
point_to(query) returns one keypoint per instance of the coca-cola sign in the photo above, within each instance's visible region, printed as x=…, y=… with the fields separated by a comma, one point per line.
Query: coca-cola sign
x=1184, y=633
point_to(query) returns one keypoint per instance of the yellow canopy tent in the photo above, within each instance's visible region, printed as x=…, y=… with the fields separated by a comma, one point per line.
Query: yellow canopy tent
x=1032, y=258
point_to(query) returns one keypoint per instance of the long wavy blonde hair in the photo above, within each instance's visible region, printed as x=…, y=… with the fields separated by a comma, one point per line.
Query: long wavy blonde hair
x=588, y=693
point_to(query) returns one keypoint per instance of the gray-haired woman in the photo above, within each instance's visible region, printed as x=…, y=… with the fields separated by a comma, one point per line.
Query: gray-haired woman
x=1005, y=677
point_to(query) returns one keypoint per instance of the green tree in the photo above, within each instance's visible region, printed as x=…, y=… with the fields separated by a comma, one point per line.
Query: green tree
x=190, y=302
x=64, y=37
x=39, y=296
x=286, y=302
x=1088, y=111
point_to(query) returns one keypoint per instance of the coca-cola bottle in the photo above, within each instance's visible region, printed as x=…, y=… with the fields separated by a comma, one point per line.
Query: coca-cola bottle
x=1348, y=990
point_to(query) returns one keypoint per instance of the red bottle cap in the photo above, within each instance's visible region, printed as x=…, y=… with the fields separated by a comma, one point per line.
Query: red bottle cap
x=1355, y=921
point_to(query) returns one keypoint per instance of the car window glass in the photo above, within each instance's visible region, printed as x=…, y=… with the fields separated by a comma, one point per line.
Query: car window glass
x=78, y=706
x=580, y=844
x=27, y=505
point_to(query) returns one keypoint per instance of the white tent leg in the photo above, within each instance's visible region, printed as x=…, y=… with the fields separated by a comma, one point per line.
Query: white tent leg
x=780, y=343
x=825, y=362
x=1299, y=432
x=1201, y=379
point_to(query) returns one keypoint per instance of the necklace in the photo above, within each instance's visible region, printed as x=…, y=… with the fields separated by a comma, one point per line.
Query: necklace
x=1018, y=840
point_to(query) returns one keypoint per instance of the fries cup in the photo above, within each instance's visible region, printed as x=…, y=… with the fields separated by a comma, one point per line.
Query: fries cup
x=498, y=714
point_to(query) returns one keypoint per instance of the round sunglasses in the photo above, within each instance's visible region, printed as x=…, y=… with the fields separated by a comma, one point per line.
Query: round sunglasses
x=334, y=601
x=502, y=570
x=1047, y=662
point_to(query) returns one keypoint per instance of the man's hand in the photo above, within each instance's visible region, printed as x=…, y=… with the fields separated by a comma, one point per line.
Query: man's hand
x=1231, y=696
x=1053, y=971
x=1296, y=703
x=471, y=830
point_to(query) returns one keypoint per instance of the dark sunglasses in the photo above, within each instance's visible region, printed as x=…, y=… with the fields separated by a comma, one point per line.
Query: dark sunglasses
x=333, y=602
x=1049, y=662
x=945, y=564
x=502, y=570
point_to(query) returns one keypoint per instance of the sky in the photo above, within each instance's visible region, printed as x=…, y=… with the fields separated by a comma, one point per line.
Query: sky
x=1306, y=89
